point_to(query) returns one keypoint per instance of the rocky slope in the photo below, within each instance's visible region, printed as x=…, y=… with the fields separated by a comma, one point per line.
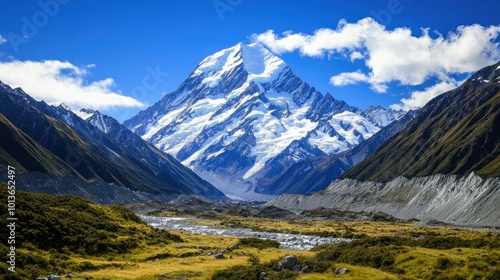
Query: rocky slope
x=459, y=200
x=97, y=191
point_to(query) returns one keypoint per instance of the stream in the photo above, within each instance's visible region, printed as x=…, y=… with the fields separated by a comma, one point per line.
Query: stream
x=286, y=240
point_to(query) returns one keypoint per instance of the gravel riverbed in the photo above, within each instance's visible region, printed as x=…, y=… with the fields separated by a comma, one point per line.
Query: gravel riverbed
x=286, y=240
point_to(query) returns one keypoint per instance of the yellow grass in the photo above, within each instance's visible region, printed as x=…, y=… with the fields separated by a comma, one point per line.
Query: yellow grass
x=355, y=272
x=196, y=267
x=417, y=263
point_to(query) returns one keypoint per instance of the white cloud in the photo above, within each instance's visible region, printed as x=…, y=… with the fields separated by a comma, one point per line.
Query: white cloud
x=2, y=39
x=393, y=55
x=419, y=98
x=58, y=82
x=348, y=78
x=356, y=55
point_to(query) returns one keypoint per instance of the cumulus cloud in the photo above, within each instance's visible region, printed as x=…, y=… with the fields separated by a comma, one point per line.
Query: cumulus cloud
x=2, y=39
x=419, y=98
x=58, y=82
x=349, y=78
x=393, y=55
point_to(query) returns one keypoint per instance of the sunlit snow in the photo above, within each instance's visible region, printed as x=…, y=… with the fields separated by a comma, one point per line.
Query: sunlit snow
x=216, y=121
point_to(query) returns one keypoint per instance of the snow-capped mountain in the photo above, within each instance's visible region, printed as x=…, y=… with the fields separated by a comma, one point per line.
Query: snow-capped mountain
x=382, y=116
x=243, y=115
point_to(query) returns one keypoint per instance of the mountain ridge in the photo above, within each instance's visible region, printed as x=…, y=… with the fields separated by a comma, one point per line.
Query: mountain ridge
x=95, y=155
x=457, y=132
x=317, y=173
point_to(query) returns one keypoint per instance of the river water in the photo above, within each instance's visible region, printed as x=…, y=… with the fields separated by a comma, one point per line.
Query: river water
x=286, y=240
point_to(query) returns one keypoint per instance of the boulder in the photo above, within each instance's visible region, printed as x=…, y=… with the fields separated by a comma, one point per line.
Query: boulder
x=288, y=262
x=297, y=267
x=305, y=270
x=262, y=276
x=342, y=270
x=219, y=256
x=53, y=277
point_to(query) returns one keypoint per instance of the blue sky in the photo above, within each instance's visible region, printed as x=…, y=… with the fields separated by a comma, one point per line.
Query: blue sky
x=120, y=56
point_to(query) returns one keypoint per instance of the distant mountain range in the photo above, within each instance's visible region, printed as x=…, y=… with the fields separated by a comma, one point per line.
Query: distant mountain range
x=242, y=117
x=52, y=140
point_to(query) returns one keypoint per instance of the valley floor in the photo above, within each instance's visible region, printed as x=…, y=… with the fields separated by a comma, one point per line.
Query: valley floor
x=450, y=253
x=68, y=235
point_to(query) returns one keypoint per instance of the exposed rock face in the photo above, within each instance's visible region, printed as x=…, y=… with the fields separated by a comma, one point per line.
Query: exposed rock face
x=459, y=200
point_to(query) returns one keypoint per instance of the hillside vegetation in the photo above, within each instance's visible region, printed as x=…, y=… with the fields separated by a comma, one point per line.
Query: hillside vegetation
x=58, y=234
x=61, y=235
x=455, y=133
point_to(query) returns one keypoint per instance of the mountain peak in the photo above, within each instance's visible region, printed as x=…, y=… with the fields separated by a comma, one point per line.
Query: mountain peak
x=86, y=113
x=243, y=116
x=487, y=74
x=259, y=62
x=65, y=107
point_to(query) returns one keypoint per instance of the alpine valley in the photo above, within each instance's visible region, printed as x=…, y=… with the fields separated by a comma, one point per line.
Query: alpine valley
x=243, y=126
x=341, y=190
x=242, y=118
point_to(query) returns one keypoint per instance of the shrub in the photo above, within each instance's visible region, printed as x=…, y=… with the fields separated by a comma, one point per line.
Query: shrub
x=494, y=275
x=253, y=259
x=373, y=252
x=443, y=263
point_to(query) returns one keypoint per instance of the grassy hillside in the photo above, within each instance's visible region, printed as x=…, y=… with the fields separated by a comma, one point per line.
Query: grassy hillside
x=17, y=148
x=455, y=133
x=65, y=234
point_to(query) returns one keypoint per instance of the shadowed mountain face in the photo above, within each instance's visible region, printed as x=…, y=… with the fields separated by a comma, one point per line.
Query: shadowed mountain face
x=22, y=152
x=55, y=141
x=243, y=116
x=457, y=132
